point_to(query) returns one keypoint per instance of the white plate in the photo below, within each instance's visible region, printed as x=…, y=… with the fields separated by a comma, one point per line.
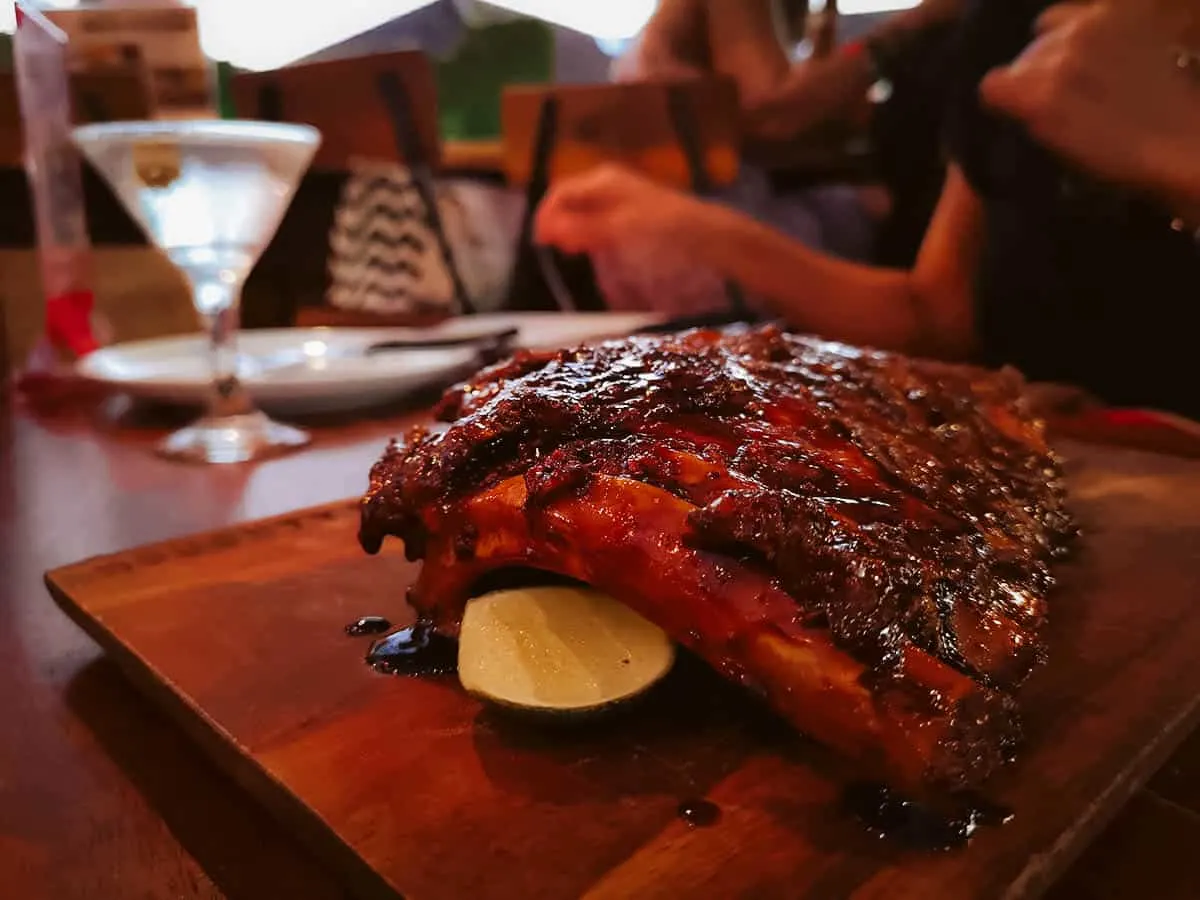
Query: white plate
x=309, y=370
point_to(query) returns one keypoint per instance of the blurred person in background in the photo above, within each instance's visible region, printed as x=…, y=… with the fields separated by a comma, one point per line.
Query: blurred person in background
x=1063, y=242
x=752, y=41
x=1098, y=94
x=821, y=98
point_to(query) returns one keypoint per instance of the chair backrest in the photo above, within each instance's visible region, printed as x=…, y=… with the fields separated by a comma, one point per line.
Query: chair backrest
x=105, y=94
x=634, y=124
x=11, y=140
x=113, y=93
x=381, y=107
x=343, y=99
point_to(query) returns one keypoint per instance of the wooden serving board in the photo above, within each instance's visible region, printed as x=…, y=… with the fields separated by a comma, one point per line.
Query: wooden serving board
x=409, y=787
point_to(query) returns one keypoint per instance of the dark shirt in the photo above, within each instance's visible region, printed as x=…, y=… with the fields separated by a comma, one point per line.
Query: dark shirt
x=1078, y=282
x=906, y=133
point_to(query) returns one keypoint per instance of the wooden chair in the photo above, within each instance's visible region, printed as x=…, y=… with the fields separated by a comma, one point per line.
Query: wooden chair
x=119, y=93
x=682, y=133
x=382, y=106
x=98, y=95
x=642, y=125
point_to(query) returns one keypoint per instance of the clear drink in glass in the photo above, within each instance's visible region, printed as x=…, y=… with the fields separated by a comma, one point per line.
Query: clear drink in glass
x=210, y=194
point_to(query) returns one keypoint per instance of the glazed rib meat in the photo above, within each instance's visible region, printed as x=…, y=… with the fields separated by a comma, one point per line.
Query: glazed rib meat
x=863, y=539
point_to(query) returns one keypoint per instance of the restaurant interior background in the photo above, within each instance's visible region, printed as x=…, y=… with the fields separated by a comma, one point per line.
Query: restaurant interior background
x=254, y=35
x=264, y=34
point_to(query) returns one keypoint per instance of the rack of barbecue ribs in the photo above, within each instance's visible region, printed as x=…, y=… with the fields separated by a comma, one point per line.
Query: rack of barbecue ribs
x=863, y=539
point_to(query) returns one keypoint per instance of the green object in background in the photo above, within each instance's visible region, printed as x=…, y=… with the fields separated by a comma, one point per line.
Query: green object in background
x=6, y=59
x=471, y=82
x=225, y=106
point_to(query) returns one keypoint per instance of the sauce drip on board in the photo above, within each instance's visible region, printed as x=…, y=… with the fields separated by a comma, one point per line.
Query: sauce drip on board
x=699, y=813
x=416, y=650
x=915, y=825
x=368, y=625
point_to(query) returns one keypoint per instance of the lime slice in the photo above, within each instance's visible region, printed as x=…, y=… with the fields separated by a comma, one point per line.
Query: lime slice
x=558, y=649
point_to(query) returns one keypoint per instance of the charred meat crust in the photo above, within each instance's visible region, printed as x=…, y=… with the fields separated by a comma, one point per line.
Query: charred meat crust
x=906, y=513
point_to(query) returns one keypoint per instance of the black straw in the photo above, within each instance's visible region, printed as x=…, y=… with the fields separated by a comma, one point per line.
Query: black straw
x=399, y=107
x=683, y=120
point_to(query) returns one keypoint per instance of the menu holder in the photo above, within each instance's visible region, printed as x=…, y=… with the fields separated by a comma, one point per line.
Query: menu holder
x=342, y=99
x=382, y=106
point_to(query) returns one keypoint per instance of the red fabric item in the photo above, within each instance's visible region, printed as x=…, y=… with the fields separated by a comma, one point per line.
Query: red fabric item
x=69, y=323
x=854, y=48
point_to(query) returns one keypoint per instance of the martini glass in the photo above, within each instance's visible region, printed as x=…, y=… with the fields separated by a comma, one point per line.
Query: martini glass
x=210, y=194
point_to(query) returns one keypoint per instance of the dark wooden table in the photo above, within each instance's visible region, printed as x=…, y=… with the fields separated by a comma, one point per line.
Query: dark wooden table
x=102, y=797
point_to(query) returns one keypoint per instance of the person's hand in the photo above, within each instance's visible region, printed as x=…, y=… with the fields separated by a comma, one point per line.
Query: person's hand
x=1101, y=86
x=644, y=64
x=608, y=206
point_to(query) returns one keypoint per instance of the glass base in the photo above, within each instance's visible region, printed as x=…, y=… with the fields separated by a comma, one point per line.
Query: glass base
x=232, y=439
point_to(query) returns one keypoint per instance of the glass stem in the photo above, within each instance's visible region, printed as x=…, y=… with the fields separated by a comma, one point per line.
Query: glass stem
x=217, y=300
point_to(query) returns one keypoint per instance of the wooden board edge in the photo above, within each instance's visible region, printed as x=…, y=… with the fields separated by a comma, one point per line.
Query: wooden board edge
x=1045, y=869
x=292, y=815
x=56, y=577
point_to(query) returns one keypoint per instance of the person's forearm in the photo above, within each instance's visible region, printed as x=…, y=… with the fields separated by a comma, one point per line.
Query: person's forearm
x=813, y=292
